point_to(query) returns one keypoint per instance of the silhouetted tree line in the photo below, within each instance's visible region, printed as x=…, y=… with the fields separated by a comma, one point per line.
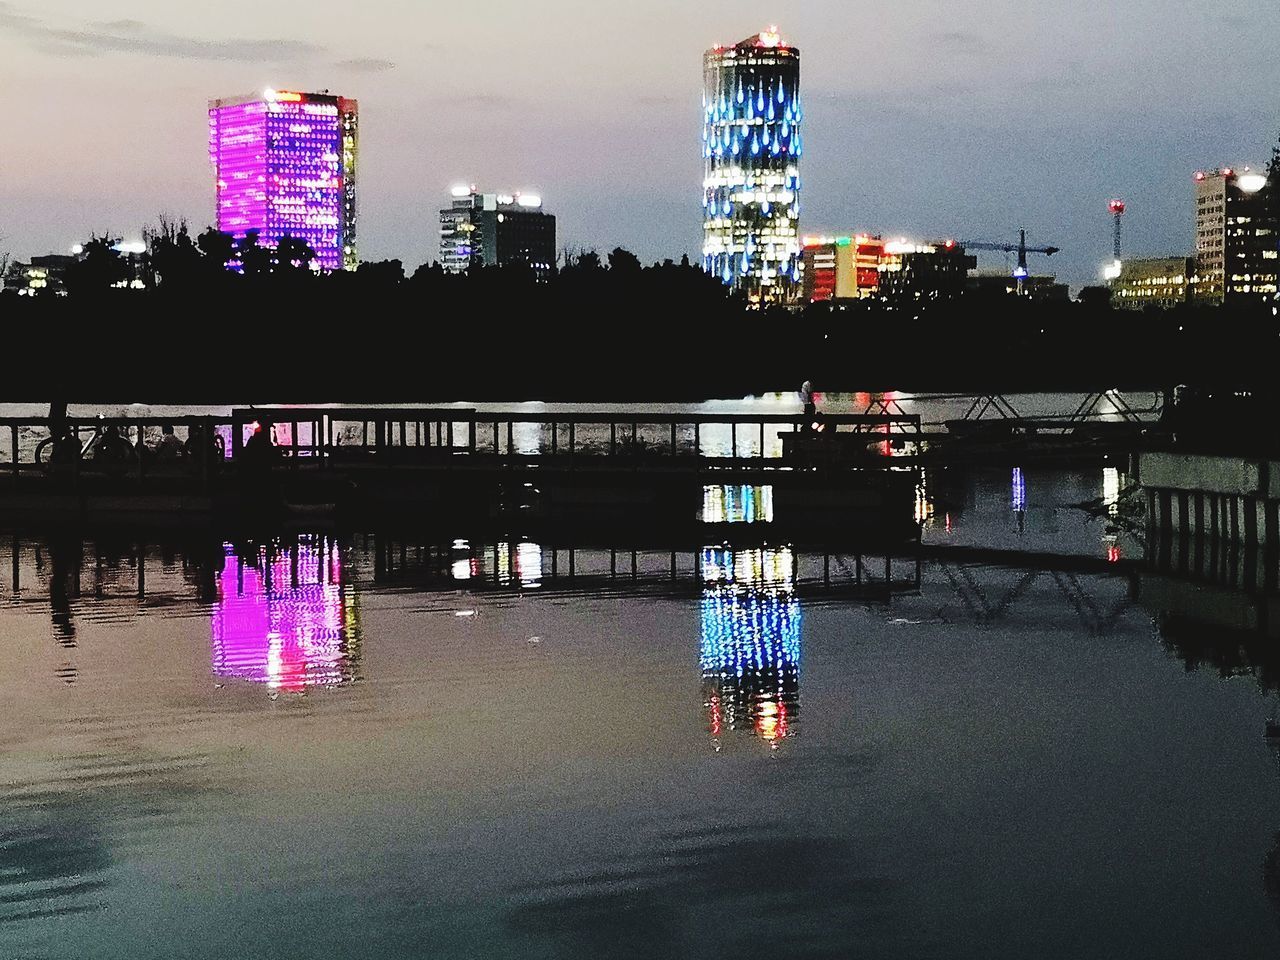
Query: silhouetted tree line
x=175, y=323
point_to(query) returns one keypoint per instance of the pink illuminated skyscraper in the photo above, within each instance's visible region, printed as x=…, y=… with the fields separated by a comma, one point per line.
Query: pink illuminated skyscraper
x=285, y=165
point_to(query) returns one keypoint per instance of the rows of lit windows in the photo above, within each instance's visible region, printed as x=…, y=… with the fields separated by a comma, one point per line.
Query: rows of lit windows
x=751, y=141
x=286, y=167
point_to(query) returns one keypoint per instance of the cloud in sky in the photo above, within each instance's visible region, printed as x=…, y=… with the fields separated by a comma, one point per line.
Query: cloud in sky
x=366, y=65
x=134, y=37
x=961, y=41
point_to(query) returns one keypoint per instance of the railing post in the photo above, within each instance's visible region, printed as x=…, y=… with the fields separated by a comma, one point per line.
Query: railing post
x=205, y=448
x=733, y=440
x=762, y=439
x=13, y=434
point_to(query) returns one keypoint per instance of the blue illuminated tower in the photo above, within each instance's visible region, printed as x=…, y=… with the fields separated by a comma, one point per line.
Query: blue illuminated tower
x=751, y=146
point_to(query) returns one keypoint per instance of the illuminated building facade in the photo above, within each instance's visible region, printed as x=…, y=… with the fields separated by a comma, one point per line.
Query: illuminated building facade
x=1237, y=237
x=862, y=267
x=841, y=268
x=750, y=642
x=494, y=229
x=285, y=166
x=751, y=147
x=1161, y=282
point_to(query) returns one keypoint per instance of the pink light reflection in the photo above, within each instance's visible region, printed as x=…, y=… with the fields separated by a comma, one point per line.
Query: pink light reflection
x=268, y=630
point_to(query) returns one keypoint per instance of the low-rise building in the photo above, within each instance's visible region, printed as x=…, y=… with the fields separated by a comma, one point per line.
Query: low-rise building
x=841, y=268
x=39, y=275
x=928, y=272
x=1044, y=289
x=863, y=267
x=1161, y=282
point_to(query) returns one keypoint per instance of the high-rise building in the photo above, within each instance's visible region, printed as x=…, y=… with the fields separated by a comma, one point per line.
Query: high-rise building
x=495, y=229
x=285, y=166
x=1162, y=282
x=751, y=146
x=1237, y=237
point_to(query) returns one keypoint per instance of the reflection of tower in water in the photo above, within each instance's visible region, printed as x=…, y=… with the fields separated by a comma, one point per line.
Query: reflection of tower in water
x=285, y=618
x=1018, y=498
x=750, y=642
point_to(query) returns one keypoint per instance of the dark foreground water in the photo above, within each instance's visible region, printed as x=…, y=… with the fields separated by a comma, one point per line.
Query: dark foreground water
x=362, y=746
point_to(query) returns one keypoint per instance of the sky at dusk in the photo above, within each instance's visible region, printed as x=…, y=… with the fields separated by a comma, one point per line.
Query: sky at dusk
x=926, y=119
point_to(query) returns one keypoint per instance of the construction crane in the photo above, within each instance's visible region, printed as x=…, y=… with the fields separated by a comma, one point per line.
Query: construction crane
x=1020, y=272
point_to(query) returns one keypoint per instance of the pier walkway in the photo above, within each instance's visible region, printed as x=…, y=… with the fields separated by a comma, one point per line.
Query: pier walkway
x=542, y=465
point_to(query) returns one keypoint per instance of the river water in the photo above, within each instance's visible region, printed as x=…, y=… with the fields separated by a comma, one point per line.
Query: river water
x=350, y=745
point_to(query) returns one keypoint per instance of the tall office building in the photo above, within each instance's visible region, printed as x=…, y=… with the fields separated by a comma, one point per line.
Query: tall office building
x=285, y=166
x=496, y=229
x=1237, y=237
x=751, y=146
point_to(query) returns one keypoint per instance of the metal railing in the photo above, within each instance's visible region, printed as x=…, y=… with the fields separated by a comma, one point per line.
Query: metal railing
x=326, y=438
x=433, y=432
x=118, y=447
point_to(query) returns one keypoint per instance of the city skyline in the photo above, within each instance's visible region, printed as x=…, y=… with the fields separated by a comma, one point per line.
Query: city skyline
x=927, y=124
